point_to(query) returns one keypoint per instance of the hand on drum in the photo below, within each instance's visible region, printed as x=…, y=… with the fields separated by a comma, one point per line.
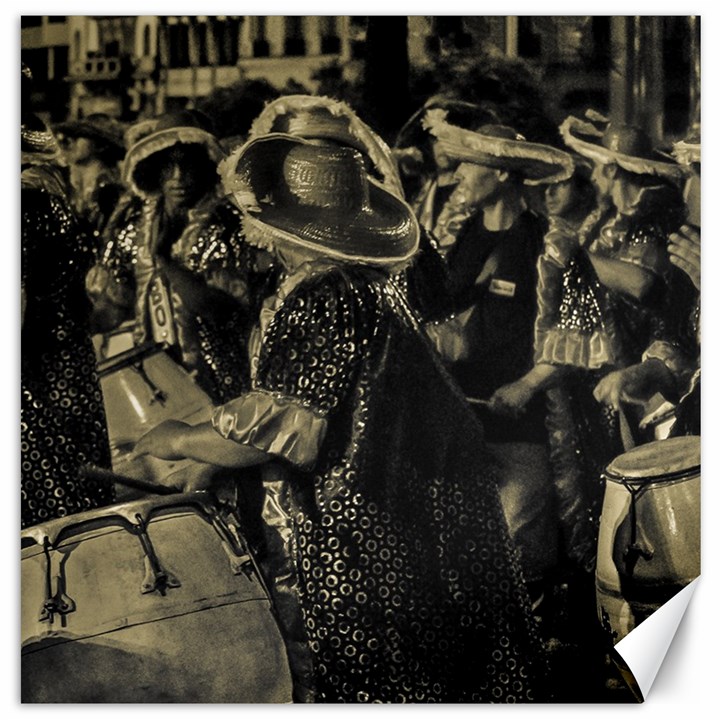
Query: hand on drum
x=162, y=441
x=634, y=384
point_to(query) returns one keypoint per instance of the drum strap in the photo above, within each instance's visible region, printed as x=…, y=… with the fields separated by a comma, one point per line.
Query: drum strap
x=161, y=313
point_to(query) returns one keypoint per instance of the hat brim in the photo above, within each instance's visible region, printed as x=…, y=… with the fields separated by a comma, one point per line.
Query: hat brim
x=589, y=146
x=384, y=232
x=88, y=130
x=534, y=162
x=161, y=140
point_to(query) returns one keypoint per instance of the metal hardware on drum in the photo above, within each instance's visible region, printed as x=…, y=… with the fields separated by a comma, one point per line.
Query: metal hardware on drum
x=156, y=576
x=60, y=603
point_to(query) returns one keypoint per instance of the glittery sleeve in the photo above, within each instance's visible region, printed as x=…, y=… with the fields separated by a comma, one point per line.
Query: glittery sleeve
x=572, y=325
x=213, y=246
x=276, y=425
x=313, y=347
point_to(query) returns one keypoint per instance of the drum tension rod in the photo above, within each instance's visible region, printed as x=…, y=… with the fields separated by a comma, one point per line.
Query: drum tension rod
x=157, y=394
x=636, y=549
x=156, y=577
x=59, y=603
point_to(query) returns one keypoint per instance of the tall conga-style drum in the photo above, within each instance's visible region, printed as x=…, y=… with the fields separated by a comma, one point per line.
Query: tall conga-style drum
x=156, y=600
x=142, y=387
x=649, y=540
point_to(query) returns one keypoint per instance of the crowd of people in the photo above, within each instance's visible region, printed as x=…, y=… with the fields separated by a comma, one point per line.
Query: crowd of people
x=427, y=353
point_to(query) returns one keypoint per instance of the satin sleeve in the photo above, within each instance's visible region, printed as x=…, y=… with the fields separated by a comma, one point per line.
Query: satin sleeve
x=309, y=364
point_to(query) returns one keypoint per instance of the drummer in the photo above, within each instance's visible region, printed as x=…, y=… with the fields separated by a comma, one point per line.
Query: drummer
x=669, y=367
x=409, y=586
x=177, y=263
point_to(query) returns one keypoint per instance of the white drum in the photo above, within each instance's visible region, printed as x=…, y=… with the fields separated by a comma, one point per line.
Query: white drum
x=150, y=601
x=649, y=541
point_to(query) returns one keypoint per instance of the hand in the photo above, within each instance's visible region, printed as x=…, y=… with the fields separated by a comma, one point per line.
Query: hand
x=512, y=398
x=164, y=441
x=684, y=250
x=634, y=385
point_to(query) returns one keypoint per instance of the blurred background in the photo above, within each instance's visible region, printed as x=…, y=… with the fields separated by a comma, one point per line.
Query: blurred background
x=639, y=69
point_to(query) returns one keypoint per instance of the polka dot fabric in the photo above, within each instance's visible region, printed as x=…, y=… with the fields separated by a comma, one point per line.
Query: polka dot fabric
x=409, y=585
x=62, y=415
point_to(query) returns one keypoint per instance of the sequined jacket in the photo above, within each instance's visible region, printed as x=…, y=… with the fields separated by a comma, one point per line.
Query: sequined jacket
x=212, y=344
x=583, y=323
x=409, y=585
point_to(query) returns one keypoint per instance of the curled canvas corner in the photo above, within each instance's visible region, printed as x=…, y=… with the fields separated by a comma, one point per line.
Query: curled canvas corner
x=642, y=651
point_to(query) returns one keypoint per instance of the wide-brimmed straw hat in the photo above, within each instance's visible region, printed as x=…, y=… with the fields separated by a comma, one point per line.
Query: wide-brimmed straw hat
x=99, y=127
x=322, y=118
x=186, y=127
x=500, y=146
x=319, y=197
x=37, y=141
x=626, y=146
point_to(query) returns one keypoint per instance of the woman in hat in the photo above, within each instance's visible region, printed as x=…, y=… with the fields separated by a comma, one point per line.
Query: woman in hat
x=62, y=416
x=178, y=264
x=671, y=366
x=92, y=148
x=408, y=583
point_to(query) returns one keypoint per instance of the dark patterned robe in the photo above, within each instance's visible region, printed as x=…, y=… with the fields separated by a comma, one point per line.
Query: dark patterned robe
x=212, y=344
x=409, y=586
x=62, y=415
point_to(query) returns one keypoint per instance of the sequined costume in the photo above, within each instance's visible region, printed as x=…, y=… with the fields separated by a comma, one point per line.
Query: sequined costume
x=409, y=585
x=212, y=344
x=590, y=329
x=62, y=415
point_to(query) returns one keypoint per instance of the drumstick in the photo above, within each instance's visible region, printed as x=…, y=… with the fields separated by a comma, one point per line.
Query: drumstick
x=93, y=472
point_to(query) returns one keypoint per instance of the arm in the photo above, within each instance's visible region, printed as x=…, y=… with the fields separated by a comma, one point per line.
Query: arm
x=512, y=398
x=174, y=440
x=636, y=384
x=622, y=276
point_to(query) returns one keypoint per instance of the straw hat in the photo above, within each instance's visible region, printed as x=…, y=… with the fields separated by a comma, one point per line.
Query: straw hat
x=37, y=142
x=322, y=118
x=499, y=146
x=99, y=127
x=319, y=197
x=187, y=127
x=627, y=146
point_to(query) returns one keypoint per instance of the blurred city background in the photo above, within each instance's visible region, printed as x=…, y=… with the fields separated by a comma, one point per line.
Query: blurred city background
x=643, y=70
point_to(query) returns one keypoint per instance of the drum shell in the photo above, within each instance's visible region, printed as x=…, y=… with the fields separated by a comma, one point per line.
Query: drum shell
x=128, y=382
x=667, y=539
x=212, y=639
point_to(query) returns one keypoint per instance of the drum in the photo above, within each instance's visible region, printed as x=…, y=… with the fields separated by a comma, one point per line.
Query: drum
x=142, y=387
x=649, y=540
x=115, y=342
x=156, y=600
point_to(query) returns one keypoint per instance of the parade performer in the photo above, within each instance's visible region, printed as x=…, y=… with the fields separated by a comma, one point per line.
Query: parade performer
x=62, y=416
x=409, y=584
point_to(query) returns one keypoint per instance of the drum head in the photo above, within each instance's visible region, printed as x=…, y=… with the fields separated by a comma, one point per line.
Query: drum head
x=671, y=458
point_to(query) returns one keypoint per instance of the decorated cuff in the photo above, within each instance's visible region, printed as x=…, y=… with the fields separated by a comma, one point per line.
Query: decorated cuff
x=274, y=424
x=576, y=348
